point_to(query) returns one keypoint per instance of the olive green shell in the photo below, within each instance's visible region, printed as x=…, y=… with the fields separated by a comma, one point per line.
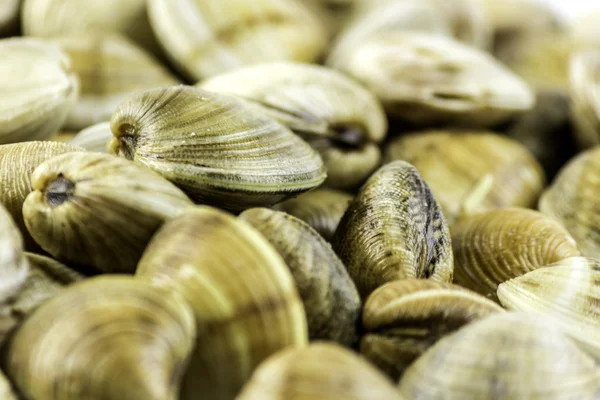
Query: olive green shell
x=394, y=229
x=108, y=337
x=215, y=148
x=321, y=371
x=471, y=171
x=242, y=293
x=98, y=210
x=498, y=245
x=329, y=295
x=322, y=209
x=17, y=163
x=503, y=357
x=402, y=319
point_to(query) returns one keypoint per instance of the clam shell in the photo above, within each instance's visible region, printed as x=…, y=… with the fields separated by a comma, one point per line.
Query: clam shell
x=207, y=37
x=6, y=391
x=320, y=371
x=585, y=101
x=394, y=229
x=110, y=69
x=469, y=21
x=572, y=200
x=498, y=245
x=471, y=171
x=39, y=89
x=17, y=163
x=9, y=19
x=93, y=138
x=429, y=80
x=13, y=263
x=329, y=295
x=322, y=209
x=241, y=291
x=109, y=337
x=546, y=130
x=353, y=121
x=215, y=148
x=52, y=18
x=567, y=292
x=402, y=319
x=503, y=357
x=98, y=210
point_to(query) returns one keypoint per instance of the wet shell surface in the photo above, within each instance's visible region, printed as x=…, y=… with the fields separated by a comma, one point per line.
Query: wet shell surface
x=207, y=37
x=572, y=200
x=17, y=163
x=93, y=138
x=337, y=116
x=429, y=80
x=567, y=291
x=471, y=171
x=322, y=209
x=493, y=247
x=402, y=319
x=329, y=295
x=503, y=357
x=242, y=293
x=110, y=69
x=38, y=89
x=214, y=147
x=584, y=72
x=98, y=210
x=109, y=337
x=394, y=229
x=320, y=371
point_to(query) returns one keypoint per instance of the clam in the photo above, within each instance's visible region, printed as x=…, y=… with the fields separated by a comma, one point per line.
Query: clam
x=469, y=21
x=546, y=130
x=503, y=357
x=572, y=200
x=214, y=147
x=471, y=171
x=402, y=319
x=44, y=279
x=38, y=89
x=98, y=210
x=394, y=229
x=109, y=337
x=93, y=138
x=9, y=19
x=322, y=209
x=429, y=79
x=566, y=291
x=498, y=245
x=6, y=391
x=585, y=102
x=13, y=263
x=242, y=293
x=207, y=37
x=17, y=163
x=110, y=68
x=337, y=116
x=52, y=18
x=320, y=371
x=330, y=297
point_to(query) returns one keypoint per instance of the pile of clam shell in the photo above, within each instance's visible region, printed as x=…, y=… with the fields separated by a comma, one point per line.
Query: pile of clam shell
x=298, y=200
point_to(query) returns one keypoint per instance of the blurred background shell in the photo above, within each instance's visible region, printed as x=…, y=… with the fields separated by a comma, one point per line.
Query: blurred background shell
x=93, y=138
x=39, y=89
x=110, y=69
x=338, y=117
x=584, y=77
x=495, y=246
x=471, y=171
x=52, y=18
x=243, y=296
x=573, y=201
x=17, y=163
x=321, y=371
x=503, y=357
x=9, y=17
x=207, y=37
x=322, y=209
x=402, y=319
